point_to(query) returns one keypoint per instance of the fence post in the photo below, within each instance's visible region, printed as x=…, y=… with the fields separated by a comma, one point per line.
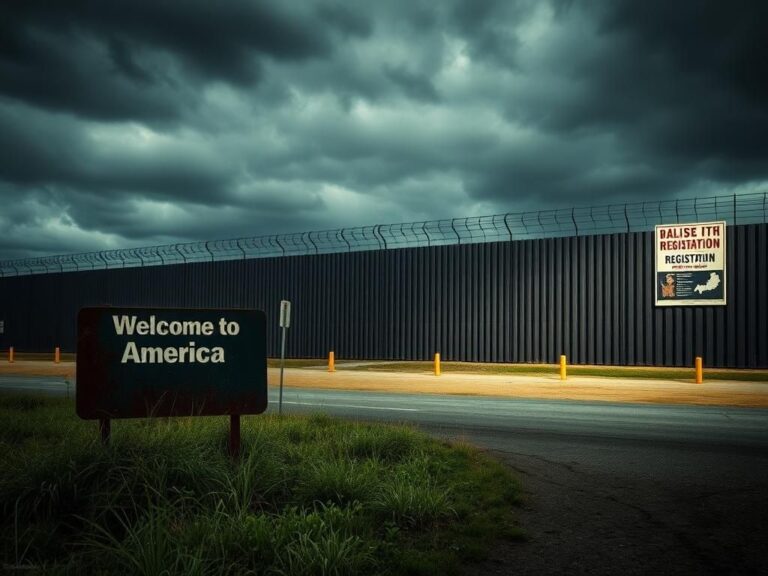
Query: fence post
x=331, y=362
x=563, y=373
x=437, y=363
x=699, y=370
x=234, y=435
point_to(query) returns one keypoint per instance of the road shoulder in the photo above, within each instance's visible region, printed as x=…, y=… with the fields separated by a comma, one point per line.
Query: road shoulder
x=543, y=386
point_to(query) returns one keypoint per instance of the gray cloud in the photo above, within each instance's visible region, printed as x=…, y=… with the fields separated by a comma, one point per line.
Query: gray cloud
x=130, y=123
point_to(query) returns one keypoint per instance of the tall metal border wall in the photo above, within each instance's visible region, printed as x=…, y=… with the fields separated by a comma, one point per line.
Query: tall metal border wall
x=589, y=297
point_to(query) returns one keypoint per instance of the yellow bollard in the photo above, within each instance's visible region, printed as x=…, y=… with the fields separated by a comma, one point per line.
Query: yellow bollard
x=10, y=354
x=437, y=363
x=699, y=371
x=331, y=362
x=57, y=355
x=563, y=373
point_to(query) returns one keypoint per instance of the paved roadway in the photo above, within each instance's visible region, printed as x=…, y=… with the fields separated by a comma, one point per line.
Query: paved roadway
x=608, y=488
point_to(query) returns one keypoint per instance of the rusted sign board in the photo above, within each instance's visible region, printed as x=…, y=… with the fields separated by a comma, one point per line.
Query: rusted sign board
x=140, y=362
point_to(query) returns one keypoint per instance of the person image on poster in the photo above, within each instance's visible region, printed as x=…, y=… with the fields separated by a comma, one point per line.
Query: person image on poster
x=668, y=289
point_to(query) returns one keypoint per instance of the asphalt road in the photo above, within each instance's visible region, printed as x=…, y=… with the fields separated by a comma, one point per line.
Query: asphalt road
x=608, y=488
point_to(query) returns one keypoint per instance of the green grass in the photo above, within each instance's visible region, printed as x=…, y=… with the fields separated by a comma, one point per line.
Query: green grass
x=573, y=370
x=309, y=495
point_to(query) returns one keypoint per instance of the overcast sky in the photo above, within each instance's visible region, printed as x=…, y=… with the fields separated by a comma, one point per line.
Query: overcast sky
x=137, y=122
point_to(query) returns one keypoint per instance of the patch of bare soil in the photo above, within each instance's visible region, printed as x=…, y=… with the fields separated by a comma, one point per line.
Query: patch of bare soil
x=718, y=393
x=38, y=368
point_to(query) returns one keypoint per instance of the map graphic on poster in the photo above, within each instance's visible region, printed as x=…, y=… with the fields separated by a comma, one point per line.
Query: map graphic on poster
x=690, y=264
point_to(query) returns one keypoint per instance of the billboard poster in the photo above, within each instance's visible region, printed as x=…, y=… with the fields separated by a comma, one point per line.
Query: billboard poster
x=690, y=264
x=141, y=362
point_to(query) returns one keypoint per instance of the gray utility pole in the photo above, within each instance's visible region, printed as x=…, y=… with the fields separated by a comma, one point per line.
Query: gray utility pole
x=285, y=323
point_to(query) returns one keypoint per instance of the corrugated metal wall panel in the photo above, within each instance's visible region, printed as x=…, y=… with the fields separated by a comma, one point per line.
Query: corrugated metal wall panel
x=760, y=288
x=591, y=298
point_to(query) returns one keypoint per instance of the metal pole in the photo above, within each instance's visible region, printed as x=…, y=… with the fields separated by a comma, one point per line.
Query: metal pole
x=282, y=368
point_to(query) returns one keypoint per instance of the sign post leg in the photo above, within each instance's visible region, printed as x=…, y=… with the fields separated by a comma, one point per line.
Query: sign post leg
x=282, y=368
x=234, y=435
x=106, y=429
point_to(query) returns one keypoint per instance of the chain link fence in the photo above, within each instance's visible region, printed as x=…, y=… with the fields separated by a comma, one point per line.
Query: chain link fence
x=606, y=219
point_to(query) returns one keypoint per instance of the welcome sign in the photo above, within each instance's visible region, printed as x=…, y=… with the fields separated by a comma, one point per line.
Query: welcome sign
x=690, y=264
x=139, y=362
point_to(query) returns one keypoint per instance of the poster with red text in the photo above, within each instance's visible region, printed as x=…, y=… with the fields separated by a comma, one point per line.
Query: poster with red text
x=690, y=264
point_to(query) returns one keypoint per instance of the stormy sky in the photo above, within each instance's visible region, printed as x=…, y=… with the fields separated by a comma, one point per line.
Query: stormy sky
x=138, y=122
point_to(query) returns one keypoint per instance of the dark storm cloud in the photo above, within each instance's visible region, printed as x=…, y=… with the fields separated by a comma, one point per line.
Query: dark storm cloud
x=52, y=150
x=116, y=59
x=413, y=85
x=129, y=123
x=488, y=27
x=694, y=78
x=679, y=88
x=690, y=81
x=70, y=73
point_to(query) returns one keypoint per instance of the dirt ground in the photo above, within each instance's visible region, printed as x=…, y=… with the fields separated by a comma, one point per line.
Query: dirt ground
x=646, y=390
x=38, y=368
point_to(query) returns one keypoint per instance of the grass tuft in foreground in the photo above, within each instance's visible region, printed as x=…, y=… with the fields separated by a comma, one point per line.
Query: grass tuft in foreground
x=310, y=495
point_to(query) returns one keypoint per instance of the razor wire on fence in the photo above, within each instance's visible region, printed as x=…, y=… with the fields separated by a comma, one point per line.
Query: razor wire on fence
x=606, y=219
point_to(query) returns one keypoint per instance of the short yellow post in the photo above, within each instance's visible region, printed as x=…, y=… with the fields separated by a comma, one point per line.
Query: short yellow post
x=10, y=354
x=331, y=362
x=437, y=363
x=57, y=355
x=699, y=370
x=563, y=374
